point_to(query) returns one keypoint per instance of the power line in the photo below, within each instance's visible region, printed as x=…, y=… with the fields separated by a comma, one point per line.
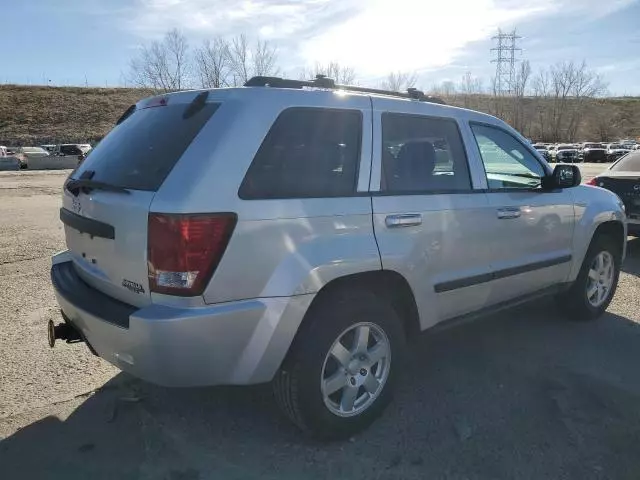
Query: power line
x=505, y=60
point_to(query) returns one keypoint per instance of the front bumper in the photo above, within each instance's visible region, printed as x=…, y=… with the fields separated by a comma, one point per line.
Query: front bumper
x=234, y=343
x=633, y=225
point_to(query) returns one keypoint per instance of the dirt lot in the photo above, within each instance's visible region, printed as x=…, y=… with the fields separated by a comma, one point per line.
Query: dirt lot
x=525, y=394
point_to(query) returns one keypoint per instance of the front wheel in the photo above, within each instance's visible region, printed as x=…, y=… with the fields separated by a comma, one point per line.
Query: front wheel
x=596, y=283
x=339, y=375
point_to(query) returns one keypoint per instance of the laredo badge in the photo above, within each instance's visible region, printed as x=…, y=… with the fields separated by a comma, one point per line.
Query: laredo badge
x=133, y=286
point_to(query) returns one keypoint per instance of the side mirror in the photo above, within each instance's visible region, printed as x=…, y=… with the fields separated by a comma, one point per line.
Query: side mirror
x=563, y=176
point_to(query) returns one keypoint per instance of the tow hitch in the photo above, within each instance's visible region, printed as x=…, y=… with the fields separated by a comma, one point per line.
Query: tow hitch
x=62, y=331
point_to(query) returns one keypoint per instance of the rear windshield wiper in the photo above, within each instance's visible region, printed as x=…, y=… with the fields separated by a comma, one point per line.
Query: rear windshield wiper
x=74, y=186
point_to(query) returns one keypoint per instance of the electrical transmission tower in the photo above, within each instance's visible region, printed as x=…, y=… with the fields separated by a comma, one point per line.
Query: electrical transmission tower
x=506, y=47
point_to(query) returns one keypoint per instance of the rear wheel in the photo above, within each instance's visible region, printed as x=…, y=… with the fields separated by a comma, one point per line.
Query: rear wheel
x=339, y=375
x=593, y=289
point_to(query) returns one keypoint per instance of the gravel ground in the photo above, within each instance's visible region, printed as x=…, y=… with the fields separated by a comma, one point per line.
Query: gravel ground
x=524, y=394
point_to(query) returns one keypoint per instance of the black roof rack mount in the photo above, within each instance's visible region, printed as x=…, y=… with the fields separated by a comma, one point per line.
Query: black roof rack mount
x=321, y=81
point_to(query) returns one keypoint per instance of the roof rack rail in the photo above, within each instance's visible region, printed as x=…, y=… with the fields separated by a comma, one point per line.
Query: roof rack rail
x=322, y=81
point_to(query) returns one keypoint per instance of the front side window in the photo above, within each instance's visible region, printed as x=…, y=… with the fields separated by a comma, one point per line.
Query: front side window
x=308, y=153
x=422, y=155
x=507, y=162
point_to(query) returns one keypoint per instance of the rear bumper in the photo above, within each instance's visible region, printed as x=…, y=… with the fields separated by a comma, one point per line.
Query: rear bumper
x=235, y=343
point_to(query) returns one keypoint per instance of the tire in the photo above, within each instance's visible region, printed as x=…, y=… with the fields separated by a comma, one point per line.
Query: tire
x=298, y=385
x=575, y=302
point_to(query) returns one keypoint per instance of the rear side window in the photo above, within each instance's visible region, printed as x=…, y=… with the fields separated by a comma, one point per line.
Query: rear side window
x=308, y=152
x=140, y=151
x=422, y=155
x=70, y=150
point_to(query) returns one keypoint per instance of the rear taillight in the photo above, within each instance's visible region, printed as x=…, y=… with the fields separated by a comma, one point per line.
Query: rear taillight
x=592, y=182
x=184, y=250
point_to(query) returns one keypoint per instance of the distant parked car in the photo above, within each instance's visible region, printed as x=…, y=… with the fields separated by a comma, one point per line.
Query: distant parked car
x=616, y=150
x=78, y=150
x=593, y=152
x=566, y=153
x=623, y=178
x=29, y=155
x=9, y=163
x=543, y=150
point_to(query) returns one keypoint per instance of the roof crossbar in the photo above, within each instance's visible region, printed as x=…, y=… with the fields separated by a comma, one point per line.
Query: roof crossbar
x=321, y=81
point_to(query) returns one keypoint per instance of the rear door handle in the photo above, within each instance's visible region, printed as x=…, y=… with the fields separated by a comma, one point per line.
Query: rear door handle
x=506, y=213
x=403, y=220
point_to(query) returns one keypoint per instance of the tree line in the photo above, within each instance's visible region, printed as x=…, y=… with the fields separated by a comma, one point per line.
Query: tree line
x=560, y=103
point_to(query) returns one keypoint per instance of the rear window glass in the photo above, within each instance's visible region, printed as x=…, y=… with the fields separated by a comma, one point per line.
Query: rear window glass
x=628, y=163
x=140, y=152
x=309, y=152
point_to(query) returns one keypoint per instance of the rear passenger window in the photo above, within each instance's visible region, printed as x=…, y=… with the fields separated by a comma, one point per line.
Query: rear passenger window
x=422, y=155
x=309, y=152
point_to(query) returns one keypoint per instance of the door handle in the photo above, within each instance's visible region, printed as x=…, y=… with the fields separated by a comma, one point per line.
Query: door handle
x=506, y=213
x=403, y=220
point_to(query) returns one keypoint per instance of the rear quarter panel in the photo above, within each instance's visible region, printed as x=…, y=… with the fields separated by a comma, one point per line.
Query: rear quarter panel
x=280, y=247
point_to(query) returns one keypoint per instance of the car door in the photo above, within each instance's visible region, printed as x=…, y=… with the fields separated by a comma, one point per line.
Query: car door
x=533, y=227
x=430, y=223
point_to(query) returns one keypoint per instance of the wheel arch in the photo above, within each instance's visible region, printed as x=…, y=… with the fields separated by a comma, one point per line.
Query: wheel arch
x=615, y=230
x=384, y=283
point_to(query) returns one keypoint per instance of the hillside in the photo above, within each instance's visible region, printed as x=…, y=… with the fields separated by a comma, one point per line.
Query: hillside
x=33, y=115
x=37, y=115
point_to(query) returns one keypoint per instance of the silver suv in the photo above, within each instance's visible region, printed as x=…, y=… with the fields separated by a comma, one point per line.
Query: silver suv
x=299, y=232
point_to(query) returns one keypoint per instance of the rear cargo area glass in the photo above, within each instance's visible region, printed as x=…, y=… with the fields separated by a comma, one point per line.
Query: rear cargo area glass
x=140, y=152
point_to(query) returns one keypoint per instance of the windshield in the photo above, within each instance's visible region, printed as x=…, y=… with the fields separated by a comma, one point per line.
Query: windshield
x=141, y=151
x=628, y=163
x=566, y=147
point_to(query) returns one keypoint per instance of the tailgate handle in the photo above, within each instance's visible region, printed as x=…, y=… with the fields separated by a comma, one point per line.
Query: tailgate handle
x=87, y=225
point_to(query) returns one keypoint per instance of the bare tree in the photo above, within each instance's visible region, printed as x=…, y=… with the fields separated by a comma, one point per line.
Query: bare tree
x=162, y=65
x=342, y=74
x=239, y=59
x=399, y=81
x=211, y=63
x=570, y=85
x=446, y=88
x=264, y=58
x=518, y=119
x=469, y=87
x=246, y=61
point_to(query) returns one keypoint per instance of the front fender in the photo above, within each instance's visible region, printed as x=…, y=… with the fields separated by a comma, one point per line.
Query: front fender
x=593, y=206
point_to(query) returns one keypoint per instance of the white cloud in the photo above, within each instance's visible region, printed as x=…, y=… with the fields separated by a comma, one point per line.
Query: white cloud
x=373, y=36
x=413, y=34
